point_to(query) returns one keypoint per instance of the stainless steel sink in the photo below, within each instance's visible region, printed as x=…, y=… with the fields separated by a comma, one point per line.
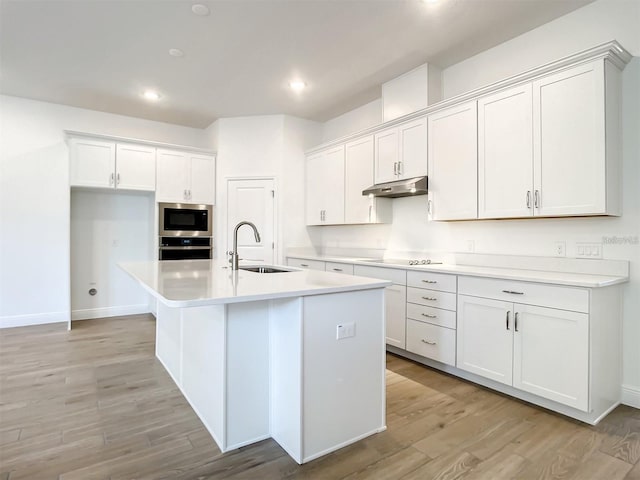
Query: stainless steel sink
x=264, y=269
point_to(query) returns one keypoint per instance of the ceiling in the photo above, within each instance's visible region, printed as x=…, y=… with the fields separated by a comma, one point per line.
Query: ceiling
x=238, y=60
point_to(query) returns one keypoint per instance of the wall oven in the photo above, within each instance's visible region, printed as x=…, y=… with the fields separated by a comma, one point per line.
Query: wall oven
x=185, y=231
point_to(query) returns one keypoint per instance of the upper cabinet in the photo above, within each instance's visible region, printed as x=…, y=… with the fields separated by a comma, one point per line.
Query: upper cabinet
x=185, y=177
x=324, y=186
x=107, y=164
x=401, y=152
x=453, y=163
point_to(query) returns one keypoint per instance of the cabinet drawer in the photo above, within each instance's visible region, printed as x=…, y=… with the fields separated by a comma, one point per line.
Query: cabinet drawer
x=433, y=281
x=431, y=341
x=337, y=267
x=565, y=298
x=432, y=298
x=304, y=263
x=394, y=275
x=436, y=316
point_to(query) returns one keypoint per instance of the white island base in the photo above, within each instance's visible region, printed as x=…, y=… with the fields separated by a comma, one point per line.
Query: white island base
x=275, y=368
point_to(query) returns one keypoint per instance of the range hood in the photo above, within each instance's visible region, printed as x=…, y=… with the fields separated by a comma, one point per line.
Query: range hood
x=399, y=188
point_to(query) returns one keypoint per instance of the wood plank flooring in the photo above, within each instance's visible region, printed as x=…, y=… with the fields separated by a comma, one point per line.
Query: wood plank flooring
x=94, y=403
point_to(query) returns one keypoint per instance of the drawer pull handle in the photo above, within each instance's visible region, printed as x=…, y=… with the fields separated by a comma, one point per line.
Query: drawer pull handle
x=430, y=298
x=428, y=316
x=337, y=269
x=304, y=265
x=508, y=312
x=515, y=322
x=513, y=292
x=428, y=342
x=429, y=281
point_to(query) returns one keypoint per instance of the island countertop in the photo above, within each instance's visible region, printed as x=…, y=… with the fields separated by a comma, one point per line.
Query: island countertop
x=190, y=283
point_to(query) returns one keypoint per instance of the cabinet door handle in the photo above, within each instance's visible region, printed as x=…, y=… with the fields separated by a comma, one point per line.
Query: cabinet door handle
x=430, y=298
x=111, y=179
x=512, y=292
x=118, y=179
x=508, y=312
x=536, y=199
x=395, y=168
x=515, y=322
x=399, y=168
x=370, y=208
x=429, y=281
x=185, y=195
x=428, y=342
x=428, y=316
x=337, y=269
x=429, y=208
x=528, y=198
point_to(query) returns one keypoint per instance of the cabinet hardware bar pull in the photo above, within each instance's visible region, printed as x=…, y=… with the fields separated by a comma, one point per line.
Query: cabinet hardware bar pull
x=118, y=179
x=337, y=269
x=508, y=312
x=515, y=322
x=536, y=199
x=512, y=292
x=370, y=208
x=428, y=342
x=430, y=298
x=111, y=179
x=528, y=198
x=399, y=168
x=395, y=168
x=429, y=281
x=304, y=265
x=428, y=316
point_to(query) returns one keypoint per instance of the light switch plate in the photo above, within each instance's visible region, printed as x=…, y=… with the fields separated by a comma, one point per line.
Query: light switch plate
x=345, y=330
x=588, y=250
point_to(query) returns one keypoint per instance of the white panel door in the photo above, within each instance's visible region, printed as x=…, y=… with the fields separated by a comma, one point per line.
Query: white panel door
x=93, y=163
x=332, y=193
x=505, y=154
x=485, y=338
x=569, y=142
x=202, y=179
x=135, y=167
x=551, y=354
x=413, y=149
x=395, y=300
x=172, y=176
x=314, y=184
x=386, y=155
x=453, y=163
x=358, y=171
x=252, y=200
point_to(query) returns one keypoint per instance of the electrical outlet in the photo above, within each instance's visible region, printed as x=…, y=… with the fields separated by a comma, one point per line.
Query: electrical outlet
x=345, y=330
x=560, y=249
x=588, y=250
x=471, y=246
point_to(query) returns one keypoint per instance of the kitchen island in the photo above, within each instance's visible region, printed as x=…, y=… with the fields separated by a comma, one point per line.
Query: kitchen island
x=297, y=356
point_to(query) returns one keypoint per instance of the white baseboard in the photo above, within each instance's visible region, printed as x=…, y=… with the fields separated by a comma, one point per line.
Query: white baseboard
x=89, y=313
x=10, y=321
x=631, y=396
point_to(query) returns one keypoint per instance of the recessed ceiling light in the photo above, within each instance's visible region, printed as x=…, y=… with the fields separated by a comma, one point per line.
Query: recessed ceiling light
x=297, y=85
x=200, y=9
x=430, y=1
x=151, y=95
x=176, y=52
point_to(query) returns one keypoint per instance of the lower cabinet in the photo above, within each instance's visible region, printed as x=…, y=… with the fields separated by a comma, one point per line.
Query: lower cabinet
x=431, y=341
x=305, y=263
x=544, y=351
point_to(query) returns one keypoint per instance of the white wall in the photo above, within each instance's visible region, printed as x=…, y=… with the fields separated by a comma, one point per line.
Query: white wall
x=410, y=232
x=366, y=116
x=35, y=200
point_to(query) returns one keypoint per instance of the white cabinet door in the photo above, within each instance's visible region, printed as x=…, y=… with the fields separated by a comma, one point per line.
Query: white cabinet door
x=314, y=184
x=569, y=142
x=453, y=163
x=92, y=163
x=413, y=149
x=485, y=338
x=505, y=154
x=172, y=176
x=395, y=300
x=386, y=155
x=358, y=173
x=551, y=354
x=333, y=186
x=202, y=179
x=135, y=167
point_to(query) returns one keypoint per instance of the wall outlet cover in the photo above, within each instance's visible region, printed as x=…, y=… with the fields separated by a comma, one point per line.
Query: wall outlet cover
x=560, y=249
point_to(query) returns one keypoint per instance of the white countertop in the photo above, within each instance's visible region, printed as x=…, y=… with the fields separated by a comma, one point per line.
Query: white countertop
x=525, y=275
x=190, y=283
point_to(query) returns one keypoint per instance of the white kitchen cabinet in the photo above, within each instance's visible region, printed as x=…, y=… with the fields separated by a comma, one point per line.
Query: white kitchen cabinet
x=106, y=164
x=185, y=177
x=505, y=154
x=537, y=349
x=395, y=301
x=576, y=141
x=401, y=152
x=359, y=175
x=306, y=264
x=325, y=188
x=339, y=267
x=453, y=163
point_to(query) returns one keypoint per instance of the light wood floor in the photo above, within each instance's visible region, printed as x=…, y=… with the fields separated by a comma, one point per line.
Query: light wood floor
x=95, y=404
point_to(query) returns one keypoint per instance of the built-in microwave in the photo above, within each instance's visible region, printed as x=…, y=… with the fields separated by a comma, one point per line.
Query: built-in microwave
x=185, y=220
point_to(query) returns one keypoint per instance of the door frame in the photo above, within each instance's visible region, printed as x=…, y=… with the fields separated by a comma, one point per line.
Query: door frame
x=225, y=213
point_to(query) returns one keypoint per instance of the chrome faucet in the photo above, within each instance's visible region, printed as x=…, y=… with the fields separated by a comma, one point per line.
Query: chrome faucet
x=234, y=254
